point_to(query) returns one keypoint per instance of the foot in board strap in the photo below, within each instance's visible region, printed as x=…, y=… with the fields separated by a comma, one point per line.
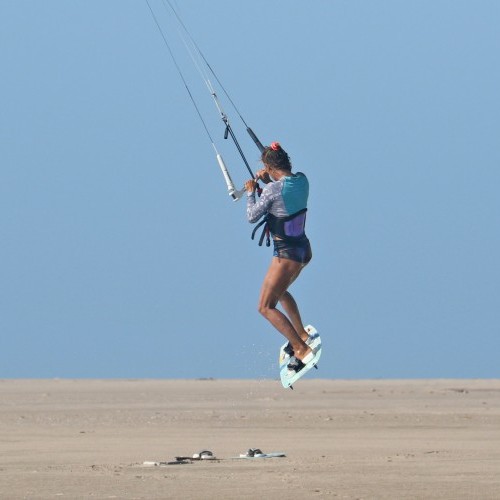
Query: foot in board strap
x=290, y=376
x=294, y=359
x=297, y=364
x=297, y=369
x=287, y=349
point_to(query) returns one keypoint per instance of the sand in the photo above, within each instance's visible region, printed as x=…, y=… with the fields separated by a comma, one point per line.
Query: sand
x=369, y=439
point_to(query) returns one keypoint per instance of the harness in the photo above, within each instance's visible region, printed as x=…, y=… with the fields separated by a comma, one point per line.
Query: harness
x=277, y=226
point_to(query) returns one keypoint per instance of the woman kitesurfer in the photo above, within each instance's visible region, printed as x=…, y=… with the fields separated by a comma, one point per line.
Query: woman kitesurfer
x=283, y=204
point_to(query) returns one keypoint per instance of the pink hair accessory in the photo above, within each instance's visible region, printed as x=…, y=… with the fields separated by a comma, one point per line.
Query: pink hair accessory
x=275, y=146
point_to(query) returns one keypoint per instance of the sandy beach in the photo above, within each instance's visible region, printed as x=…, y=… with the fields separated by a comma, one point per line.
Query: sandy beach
x=342, y=439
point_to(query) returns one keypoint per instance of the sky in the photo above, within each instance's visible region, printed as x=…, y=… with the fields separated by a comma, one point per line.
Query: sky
x=121, y=254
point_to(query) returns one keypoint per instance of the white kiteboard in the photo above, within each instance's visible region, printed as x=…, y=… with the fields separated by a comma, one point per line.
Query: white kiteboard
x=288, y=377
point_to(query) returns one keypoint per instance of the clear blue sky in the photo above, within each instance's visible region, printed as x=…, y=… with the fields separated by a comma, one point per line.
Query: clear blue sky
x=121, y=254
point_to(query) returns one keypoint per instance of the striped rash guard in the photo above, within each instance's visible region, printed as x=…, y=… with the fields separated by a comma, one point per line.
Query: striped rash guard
x=284, y=203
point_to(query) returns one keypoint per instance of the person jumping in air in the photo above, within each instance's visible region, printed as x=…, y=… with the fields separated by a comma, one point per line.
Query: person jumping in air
x=283, y=205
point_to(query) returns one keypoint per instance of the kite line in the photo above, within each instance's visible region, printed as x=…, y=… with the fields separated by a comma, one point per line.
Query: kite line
x=200, y=61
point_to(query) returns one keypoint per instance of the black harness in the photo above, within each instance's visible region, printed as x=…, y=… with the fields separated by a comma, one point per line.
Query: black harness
x=276, y=225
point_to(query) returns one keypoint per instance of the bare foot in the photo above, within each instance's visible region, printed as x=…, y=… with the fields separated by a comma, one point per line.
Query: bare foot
x=302, y=353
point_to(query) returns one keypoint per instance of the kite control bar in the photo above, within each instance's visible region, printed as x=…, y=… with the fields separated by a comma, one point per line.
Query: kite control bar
x=235, y=194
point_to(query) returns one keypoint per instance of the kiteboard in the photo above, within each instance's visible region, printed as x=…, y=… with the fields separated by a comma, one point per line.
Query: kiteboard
x=288, y=377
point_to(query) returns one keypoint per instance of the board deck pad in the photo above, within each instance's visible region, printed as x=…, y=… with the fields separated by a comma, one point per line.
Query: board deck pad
x=288, y=377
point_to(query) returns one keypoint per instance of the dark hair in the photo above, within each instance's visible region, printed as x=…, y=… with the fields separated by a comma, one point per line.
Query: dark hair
x=275, y=156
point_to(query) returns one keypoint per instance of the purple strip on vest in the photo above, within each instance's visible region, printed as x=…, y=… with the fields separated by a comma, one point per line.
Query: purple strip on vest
x=295, y=227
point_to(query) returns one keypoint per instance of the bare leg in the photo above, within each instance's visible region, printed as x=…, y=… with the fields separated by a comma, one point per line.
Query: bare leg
x=292, y=311
x=281, y=273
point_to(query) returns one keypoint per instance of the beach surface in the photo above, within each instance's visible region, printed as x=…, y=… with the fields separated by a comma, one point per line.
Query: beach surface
x=370, y=439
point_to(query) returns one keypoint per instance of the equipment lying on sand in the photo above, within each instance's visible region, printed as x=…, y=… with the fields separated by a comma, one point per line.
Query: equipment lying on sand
x=207, y=455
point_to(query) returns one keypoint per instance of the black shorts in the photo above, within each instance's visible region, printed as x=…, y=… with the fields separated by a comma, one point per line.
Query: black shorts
x=299, y=251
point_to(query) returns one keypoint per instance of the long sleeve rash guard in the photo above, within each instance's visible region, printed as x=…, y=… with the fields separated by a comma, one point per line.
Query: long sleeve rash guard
x=280, y=198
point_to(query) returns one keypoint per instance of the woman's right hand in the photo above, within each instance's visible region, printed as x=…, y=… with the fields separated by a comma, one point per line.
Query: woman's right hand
x=263, y=175
x=251, y=185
